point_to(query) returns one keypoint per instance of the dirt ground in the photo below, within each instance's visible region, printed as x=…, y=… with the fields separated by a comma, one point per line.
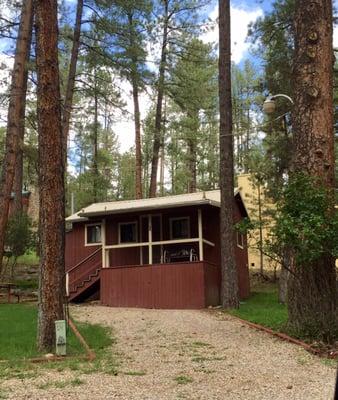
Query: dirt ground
x=184, y=354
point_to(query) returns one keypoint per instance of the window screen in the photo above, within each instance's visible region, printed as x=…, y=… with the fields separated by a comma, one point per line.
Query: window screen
x=128, y=232
x=180, y=228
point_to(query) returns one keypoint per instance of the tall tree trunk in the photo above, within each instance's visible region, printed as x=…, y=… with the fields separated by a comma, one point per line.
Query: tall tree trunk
x=18, y=176
x=68, y=102
x=137, y=116
x=95, y=147
x=229, y=288
x=261, y=256
x=14, y=118
x=162, y=171
x=192, y=184
x=51, y=175
x=138, y=151
x=312, y=290
x=158, y=116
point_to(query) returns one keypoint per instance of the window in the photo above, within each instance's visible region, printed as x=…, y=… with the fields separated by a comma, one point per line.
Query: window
x=128, y=232
x=240, y=240
x=93, y=234
x=180, y=228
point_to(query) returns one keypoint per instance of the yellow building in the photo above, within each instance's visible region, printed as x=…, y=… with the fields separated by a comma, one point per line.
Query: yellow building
x=257, y=206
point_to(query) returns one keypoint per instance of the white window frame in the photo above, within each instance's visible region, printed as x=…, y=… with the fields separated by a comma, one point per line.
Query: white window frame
x=127, y=223
x=86, y=236
x=171, y=220
x=239, y=234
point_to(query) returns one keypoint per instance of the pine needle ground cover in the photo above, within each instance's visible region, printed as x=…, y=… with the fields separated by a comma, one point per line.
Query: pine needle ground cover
x=263, y=308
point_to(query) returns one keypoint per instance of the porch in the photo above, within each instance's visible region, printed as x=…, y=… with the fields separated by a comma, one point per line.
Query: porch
x=187, y=285
x=163, y=238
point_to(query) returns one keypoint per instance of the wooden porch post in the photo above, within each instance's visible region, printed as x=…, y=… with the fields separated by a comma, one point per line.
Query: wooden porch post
x=150, y=239
x=103, y=239
x=200, y=234
x=67, y=284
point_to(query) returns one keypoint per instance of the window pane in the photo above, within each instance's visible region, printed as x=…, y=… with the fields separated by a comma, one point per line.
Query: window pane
x=128, y=233
x=180, y=228
x=94, y=234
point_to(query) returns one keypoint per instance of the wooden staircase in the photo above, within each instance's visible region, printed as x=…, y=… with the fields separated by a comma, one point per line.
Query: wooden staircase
x=83, y=275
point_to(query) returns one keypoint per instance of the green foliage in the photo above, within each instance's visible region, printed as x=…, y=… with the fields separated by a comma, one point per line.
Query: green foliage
x=304, y=222
x=273, y=37
x=246, y=102
x=263, y=308
x=19, y=236
x=18, y=340
x=192, y=131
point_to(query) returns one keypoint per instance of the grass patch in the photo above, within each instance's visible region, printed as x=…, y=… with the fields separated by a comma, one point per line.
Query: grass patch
x=264, y=309
x=18, y=343
x=135, y=373
x=200, y=344
x=183, y=380
x=61, y=384
x=28, y=284
x=29, y=258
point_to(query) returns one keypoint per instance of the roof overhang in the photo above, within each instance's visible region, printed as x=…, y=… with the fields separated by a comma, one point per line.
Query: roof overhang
x=209, y=198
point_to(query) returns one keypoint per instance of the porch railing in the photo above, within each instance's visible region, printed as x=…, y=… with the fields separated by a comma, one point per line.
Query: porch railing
x=150, y=243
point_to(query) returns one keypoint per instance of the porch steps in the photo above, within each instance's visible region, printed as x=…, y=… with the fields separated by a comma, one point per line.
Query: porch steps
x=80, y=286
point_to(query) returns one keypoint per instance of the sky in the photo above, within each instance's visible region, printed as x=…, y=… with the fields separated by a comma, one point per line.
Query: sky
x=243, y=12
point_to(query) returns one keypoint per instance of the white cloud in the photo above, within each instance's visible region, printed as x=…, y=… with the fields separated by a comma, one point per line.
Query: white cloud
x=240, y=19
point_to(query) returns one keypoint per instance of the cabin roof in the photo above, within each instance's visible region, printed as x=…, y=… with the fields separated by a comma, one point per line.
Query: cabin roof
x=211, y=198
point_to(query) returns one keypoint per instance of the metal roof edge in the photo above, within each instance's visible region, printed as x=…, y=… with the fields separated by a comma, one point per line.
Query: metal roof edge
x=150, y=207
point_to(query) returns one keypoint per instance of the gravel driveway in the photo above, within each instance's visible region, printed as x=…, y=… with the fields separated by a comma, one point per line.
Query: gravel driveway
x=185, y=354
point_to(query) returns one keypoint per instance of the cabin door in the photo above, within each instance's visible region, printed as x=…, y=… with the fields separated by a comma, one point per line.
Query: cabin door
x=156, y=225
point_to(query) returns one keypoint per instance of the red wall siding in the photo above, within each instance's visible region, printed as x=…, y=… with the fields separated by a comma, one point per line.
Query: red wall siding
x=212, y=279
x=156, y=279
x=76, y=250
x=166, y=286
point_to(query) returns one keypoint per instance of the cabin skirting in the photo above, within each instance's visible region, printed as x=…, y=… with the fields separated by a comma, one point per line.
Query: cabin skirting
x=185, y=285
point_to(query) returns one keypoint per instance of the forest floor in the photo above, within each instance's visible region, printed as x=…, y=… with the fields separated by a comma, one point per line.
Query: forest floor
x=183, y=354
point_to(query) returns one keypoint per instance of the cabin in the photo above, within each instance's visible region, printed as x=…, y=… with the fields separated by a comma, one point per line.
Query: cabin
x=152, y=253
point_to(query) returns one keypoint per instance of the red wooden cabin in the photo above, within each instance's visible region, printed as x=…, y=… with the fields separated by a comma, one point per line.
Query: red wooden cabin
x=152, y=253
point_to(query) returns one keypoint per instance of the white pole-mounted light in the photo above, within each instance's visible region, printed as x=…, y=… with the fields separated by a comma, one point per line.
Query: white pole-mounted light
x=269, y=105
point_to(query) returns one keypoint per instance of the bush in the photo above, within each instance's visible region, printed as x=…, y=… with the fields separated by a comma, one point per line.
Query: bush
x=19, y=236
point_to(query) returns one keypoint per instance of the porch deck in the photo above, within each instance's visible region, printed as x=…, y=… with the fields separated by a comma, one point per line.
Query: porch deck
x=183, y=285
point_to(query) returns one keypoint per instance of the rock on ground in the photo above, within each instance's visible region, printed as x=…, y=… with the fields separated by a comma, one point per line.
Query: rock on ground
x=185, y=354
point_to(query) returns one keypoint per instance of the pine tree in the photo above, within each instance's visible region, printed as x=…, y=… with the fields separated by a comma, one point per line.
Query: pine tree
x=15, y=120
x=51, y=175
x=229, y=285
x=312, y=285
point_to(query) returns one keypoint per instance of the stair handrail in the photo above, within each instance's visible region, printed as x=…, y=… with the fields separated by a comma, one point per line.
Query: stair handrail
x=84, y=260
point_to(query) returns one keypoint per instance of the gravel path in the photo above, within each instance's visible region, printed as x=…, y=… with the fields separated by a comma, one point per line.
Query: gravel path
x=184, y=354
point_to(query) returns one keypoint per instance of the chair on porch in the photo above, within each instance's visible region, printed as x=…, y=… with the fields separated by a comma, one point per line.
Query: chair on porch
x=184, y=254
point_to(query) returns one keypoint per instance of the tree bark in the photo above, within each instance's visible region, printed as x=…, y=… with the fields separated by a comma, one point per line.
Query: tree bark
x=68, y=102
x=312, y=287
x=18, y=176
x=229, y=288
x=160, y=94
x=137, y=115
x=95, y=146
x=138, y=151
x=192, y=161
x=261, y=256
x=14, y=118
x=51, y=174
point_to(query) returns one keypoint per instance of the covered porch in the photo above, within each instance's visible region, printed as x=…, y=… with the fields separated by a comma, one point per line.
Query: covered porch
x=171, y=236
x=165, y=259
